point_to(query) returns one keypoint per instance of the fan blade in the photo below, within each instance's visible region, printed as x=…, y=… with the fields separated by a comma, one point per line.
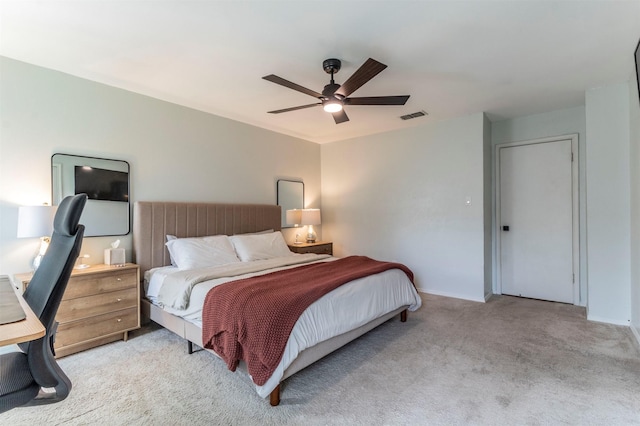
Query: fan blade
x=286, y=83
x=377, y=100
x=278, y=111
x=340, y=116
x=366, y=72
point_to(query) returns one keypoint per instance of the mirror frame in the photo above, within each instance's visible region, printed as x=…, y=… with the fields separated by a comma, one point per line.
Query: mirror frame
x=100, y=217
x=290, y=195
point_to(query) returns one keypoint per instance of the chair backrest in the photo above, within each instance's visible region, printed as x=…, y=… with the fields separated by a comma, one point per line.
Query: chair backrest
x=49, y=281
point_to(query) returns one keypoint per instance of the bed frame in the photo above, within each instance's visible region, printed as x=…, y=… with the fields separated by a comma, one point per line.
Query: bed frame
x=154, y=220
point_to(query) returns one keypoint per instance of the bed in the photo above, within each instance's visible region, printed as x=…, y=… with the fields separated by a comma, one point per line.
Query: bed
x=153, y=221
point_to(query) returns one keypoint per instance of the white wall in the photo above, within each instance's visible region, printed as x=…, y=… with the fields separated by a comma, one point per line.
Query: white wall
x=553, y=123
x=488, y=208
x=608, y=203
x=175, y=153
x=401, y=196
x=634, y=116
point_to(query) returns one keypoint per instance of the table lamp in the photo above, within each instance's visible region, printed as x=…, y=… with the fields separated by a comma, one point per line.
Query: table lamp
x=294, y=217
x=310, y=217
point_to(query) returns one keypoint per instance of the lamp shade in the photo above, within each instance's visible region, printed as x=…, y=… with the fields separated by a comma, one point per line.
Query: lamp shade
x=35, y=221
x=310, y=217
x=294, y=217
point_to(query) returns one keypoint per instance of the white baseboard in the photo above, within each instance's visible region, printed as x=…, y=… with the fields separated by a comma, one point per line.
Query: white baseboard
x=454, y=295
x=608, y=320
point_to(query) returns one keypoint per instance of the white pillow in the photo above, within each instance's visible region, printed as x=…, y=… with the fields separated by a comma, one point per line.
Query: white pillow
x=201, y=252
x=260, y=246
x=169, y=238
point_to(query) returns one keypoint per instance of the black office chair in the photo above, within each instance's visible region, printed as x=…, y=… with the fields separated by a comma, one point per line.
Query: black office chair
x=24, y=374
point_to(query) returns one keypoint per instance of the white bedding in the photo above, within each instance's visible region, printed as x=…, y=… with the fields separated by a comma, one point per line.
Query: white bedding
x=336, y=313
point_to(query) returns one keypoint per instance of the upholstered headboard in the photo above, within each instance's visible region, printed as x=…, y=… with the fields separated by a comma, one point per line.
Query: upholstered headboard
x=154, y=220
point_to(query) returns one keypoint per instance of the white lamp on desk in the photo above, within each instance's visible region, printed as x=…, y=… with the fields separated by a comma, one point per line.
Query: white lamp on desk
x=36, y=221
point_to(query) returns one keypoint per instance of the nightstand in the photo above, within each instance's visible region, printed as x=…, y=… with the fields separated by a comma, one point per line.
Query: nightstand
x=320, y=247
x=101, y=304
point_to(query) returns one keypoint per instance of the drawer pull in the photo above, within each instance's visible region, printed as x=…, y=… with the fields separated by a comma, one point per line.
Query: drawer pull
x=119, y=300
x=118, y=279
x=119, y=319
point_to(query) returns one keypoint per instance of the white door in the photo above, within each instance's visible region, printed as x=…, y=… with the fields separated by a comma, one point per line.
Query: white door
x=536, y=226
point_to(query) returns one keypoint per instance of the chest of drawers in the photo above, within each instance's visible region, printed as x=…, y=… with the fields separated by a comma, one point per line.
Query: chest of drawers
x=101, y=304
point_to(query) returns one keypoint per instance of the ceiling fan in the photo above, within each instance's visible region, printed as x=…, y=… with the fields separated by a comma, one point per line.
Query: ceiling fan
x=335, y=96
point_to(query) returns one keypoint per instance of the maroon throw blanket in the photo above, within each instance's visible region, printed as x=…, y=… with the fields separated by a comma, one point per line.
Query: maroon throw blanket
x=251, y=319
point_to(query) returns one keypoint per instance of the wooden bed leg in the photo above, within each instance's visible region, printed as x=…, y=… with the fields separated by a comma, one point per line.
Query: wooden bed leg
x=274, y=397
x=189, y=347
x=403, y=316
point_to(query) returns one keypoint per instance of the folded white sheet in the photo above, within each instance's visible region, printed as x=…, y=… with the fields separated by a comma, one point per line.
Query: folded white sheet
x=175, y=290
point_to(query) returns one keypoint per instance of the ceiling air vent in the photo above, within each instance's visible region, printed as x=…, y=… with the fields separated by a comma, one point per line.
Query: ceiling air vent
x=414, y=115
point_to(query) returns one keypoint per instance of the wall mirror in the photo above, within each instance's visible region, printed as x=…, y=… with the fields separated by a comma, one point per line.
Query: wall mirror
x=290, y=196
x=106, y=183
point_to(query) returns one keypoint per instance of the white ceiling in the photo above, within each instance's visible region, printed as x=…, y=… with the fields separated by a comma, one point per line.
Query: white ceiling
x=506, y=58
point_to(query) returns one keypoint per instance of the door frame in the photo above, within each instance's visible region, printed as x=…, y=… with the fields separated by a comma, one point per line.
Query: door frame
x=575, y=195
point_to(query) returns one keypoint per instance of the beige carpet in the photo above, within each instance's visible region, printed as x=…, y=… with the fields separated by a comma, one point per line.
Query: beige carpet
x=509, y=361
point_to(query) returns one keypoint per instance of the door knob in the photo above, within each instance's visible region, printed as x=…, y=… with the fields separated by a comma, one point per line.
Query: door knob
x=505, y=227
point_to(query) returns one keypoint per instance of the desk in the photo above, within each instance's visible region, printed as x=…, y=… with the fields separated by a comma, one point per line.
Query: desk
x=21, y=331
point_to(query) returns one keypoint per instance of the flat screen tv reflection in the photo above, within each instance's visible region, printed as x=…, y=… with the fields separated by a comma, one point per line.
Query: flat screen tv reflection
x=102, y=184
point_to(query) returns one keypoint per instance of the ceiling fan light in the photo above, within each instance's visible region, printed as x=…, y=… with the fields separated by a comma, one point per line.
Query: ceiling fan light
x=332, y=106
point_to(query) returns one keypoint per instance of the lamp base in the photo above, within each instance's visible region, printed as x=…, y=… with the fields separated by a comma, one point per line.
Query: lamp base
x=311, y=234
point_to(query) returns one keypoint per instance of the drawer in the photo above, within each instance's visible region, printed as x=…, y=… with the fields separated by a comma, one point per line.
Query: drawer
x=97, y=304
x=87, y=285
x=95, y=327
x=322, y=249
